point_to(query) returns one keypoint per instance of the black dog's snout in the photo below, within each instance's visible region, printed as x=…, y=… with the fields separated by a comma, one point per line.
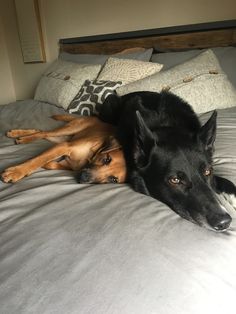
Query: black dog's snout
x=223, y=223
x=84, y=176
x=220, y=222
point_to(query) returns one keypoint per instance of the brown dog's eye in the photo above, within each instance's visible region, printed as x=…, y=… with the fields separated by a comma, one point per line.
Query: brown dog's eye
x=106, y=160
x=174, y=180
x=112, y=179
x=207, y=172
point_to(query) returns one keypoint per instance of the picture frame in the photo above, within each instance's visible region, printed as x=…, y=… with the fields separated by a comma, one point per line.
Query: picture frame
x=30, y=31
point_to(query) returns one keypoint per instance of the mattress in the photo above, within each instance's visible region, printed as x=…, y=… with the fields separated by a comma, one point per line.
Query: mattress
x=81, y=248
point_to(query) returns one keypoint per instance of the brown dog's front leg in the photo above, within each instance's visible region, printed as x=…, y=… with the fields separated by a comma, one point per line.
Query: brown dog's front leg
x=57, y=165
x=21, y=132
x=15, y=173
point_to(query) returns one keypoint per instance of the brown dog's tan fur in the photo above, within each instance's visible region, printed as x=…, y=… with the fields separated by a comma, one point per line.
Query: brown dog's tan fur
x=81, y=142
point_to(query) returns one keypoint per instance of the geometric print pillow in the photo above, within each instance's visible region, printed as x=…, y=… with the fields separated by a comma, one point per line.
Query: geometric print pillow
x=91, y=96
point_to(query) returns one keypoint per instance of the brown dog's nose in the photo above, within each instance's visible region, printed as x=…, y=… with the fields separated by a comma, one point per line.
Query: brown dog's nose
x=220, y=222
x=84, y=176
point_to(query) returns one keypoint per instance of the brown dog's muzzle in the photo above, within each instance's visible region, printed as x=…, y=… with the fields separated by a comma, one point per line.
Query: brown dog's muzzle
x=85, y=176
x=106, y=166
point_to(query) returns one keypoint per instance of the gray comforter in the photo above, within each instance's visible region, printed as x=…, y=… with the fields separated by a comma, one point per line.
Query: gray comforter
x=97, y=249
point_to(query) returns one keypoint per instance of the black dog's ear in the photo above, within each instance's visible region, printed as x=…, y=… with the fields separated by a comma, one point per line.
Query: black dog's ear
x=110, y=110
x=144, y=142
x=207, y=133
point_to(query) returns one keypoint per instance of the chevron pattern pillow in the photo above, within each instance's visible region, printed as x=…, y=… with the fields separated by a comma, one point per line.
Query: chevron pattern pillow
x=91, y=96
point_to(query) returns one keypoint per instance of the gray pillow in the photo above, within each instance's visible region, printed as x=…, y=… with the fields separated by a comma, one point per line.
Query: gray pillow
x=62, y=81
x=101, y=59
x=171, y=59
x=225, y=55
x=200, y=81
x=227, y=59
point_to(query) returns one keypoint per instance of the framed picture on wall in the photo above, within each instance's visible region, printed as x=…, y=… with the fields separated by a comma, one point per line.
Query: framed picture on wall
x=30, y=31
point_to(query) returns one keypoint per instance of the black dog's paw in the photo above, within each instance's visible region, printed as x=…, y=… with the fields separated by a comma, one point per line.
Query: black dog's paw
x=223, y=185
x=226, y=189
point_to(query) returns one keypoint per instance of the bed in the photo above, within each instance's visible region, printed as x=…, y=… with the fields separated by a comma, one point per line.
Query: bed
x=97, y=249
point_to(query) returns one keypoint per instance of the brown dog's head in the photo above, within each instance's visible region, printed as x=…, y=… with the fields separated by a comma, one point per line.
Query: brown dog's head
x=106, y=166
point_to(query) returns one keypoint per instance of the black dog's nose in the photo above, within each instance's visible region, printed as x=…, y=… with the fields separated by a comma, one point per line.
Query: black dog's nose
x=223, y=223
x=220, y=222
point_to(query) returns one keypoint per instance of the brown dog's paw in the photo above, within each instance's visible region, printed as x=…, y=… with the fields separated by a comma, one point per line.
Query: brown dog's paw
x=12, y=133
x=26, y=139
x=63, y=117
x=21, y=132
x=56, y=117
x=20, y=140
x=12, y=174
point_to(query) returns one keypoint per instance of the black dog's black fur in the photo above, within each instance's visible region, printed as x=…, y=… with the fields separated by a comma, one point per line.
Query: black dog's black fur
x=169, y=154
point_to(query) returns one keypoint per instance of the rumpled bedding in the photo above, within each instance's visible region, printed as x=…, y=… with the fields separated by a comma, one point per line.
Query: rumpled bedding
x=97, y=249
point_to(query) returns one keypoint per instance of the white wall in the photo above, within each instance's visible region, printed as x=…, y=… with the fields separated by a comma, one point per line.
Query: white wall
x=73, y=18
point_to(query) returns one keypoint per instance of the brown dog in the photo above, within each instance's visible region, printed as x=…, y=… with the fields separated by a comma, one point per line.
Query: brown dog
x=84, y=144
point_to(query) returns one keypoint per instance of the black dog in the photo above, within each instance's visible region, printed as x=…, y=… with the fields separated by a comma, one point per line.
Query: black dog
x=169, y=154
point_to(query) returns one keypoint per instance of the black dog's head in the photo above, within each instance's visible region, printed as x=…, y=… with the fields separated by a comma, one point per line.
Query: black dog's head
x=176, y=168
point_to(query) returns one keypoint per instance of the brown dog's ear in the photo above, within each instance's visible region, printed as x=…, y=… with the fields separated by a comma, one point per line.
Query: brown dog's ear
x=109, y=145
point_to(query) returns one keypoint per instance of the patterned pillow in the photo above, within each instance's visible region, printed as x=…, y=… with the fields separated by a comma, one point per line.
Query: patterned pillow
x=91, y=96
x=200, y=81
x=62, y=81
x=127, y=71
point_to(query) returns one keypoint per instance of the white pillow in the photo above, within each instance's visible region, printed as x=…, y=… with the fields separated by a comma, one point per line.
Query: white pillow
x=199, y=81
x=62, y=81
x=127, y=70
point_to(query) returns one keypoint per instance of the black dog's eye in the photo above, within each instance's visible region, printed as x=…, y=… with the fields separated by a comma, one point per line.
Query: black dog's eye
x=174, y=180
x=106, y=160
x=207, y=172
x=112, y=179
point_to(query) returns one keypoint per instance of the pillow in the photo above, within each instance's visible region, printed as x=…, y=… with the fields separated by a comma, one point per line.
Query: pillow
x=225, y=55
x=101, y=59
x=227, y=59
x=91, y=96
x=171, y=59
x=199, y=81
x=130, y=50
x=62, y=81
x=127, y=71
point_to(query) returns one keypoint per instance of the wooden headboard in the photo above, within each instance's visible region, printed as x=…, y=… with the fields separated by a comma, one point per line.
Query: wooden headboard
x=204, y=35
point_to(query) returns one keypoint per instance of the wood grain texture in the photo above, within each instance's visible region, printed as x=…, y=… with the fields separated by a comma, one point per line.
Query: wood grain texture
x=171, y=42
